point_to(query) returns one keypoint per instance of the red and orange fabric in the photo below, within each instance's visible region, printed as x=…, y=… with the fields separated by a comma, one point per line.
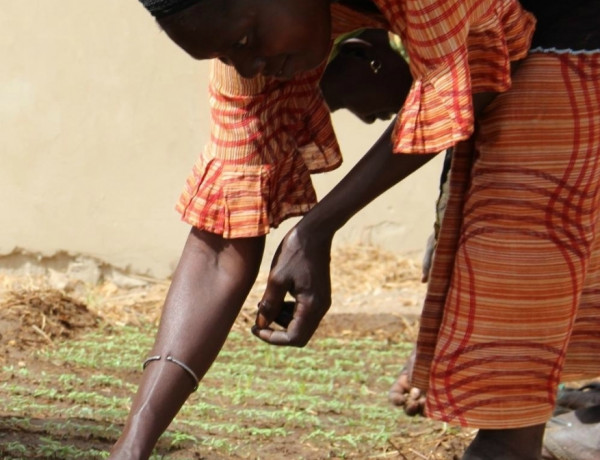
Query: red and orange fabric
x=268, y=136
x=515, y=279
x=513, y=302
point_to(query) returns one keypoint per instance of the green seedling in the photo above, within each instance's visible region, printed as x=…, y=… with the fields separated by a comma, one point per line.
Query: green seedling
x=334, y=390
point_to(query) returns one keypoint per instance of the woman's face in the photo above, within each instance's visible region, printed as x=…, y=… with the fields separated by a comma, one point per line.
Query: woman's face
x=277, y=38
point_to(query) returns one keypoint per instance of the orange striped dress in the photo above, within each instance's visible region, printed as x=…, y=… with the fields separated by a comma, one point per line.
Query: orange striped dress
x=513, y=302
x=511, y=305
x=268, y=136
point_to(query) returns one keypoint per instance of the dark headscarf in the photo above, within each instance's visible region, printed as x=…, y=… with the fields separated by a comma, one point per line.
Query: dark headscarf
x=161, y=8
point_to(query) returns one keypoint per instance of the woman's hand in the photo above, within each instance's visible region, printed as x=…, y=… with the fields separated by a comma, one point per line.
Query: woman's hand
x=301, y=267
x=301, y=263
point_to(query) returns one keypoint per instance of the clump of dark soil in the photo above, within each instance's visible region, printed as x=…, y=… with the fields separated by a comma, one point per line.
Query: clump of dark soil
x=33, y=318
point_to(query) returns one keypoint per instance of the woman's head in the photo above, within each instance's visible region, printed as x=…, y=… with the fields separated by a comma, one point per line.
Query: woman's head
x=367, y=76
x=162, y=8
x=270, y=37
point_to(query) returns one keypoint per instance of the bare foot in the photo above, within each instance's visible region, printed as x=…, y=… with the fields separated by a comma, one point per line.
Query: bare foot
x=402, y=394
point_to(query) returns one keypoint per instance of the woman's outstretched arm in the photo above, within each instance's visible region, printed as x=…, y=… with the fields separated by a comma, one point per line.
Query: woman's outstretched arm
x=301, y=263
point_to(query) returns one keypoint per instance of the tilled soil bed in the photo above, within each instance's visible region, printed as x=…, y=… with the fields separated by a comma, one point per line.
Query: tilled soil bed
x=376, y=296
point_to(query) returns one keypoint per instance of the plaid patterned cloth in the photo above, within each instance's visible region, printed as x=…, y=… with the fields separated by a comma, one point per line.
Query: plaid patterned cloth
x=513, y=299
x=513, y=302
x=268, y=137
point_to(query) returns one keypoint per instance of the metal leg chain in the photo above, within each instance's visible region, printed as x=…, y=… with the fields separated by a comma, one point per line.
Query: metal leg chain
x=181, y=364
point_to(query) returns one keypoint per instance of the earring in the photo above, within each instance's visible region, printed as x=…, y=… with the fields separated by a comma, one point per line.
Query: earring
x=375, y=66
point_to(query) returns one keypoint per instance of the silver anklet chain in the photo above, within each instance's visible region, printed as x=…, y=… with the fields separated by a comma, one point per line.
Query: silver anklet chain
x=181, y=364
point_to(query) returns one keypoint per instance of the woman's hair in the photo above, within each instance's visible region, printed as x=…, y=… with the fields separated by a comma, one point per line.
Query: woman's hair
x=161, y=8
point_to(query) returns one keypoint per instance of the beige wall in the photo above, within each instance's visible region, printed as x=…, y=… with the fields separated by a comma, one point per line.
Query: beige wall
x=101, y=119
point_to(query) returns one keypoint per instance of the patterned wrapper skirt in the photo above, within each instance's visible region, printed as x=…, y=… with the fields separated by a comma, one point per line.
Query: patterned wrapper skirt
x=513, y=304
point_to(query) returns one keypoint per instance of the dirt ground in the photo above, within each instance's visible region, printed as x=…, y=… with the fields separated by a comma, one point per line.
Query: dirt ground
x=375, y=294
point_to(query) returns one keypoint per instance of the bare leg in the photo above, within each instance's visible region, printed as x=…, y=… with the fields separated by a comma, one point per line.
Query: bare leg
x=510, y=444
x=210, y=285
